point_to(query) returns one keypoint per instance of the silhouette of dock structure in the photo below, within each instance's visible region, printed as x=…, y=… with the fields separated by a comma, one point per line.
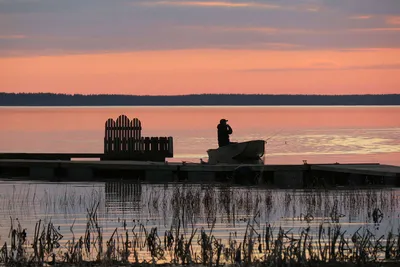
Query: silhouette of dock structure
x=280, y=176
x=129, y=156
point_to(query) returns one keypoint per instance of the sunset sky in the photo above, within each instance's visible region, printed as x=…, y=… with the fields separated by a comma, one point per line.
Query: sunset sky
x=185, y=47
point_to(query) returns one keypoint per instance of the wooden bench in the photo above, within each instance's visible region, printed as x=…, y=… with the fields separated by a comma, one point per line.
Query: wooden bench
x=123, y=141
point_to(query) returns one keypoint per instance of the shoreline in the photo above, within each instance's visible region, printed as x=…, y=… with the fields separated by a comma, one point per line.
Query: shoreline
x=200, y=106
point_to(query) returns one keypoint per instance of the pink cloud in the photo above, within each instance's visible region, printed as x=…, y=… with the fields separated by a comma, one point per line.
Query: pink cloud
x=266, y=30
x=230, y=4
x=393, y=20
x=375, y=30
x=361, y=17
x=212, y=4
x=12, y=37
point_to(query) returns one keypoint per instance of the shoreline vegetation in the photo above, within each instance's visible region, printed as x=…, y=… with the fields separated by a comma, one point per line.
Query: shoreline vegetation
x=266, y=246
x=51, y=99
x=321, y=238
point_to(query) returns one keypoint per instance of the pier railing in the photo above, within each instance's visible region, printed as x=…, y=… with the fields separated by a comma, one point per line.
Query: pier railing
x=123, y=141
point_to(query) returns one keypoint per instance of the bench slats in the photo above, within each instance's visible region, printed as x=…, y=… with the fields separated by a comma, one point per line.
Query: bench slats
x=123, y=140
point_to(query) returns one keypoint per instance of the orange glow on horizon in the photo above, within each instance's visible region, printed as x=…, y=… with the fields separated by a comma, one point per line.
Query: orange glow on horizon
x=369, y=71
x=155, y=119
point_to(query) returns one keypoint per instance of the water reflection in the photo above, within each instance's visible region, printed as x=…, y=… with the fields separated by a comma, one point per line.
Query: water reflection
x=224, y=210
x=342, y=134
x=122, y=196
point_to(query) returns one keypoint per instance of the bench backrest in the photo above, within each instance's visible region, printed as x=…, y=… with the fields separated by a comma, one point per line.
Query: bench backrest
x=123, y=135
x=123, y=140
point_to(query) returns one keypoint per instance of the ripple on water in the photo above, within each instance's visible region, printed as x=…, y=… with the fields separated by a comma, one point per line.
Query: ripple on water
x=225, y=210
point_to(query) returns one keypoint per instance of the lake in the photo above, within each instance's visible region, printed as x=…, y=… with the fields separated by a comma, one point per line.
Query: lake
x=315, y=134
x=116, y=209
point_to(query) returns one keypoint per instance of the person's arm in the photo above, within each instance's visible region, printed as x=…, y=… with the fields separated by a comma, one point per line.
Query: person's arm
x=230, y=131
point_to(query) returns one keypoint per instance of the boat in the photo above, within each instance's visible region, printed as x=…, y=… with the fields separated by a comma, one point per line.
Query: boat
x=250, y=152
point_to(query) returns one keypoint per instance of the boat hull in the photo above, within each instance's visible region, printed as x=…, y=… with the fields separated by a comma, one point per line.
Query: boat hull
x=244, y=152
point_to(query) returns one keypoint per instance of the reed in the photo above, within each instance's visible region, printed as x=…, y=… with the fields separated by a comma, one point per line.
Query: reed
x=265, y=247
x=260, y=244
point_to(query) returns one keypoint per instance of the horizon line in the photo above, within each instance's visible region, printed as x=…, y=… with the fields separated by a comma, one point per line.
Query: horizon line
x=200, y=94
x=201, y=106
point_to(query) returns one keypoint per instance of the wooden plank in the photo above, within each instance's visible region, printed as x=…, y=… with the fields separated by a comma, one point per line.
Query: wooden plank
x=196, y=171
x=134, y=135
x=129, y=138
x=49, y=156
x=108, y=138
x=154, y=144
x=139, y=135
x=162, y=144
x=377, y=170
x=111, y=136
x=137, y=132
x=195, y=167
x=123, y=132
x=117, y=138
x=127, y=134
x=151, y=165
x=146, y=144
x=170, y=146
x=131, y=145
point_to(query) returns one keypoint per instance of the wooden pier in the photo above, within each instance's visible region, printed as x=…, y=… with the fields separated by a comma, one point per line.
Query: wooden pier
x=130, y=156
x=279, y=176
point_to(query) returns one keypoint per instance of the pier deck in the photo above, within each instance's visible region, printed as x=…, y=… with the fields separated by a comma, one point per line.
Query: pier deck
x=50, y=156
x=369, y=169
x=281, y=176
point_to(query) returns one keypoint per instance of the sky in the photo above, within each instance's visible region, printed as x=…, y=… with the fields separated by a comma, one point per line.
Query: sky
x=169, y=47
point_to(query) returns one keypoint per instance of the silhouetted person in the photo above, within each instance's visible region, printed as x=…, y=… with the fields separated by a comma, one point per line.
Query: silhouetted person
x=224, y=130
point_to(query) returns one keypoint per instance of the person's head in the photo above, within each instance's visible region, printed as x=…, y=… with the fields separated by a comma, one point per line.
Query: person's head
x=223, y=121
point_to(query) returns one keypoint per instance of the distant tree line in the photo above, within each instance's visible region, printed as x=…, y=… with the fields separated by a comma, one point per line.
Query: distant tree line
x=50, y=99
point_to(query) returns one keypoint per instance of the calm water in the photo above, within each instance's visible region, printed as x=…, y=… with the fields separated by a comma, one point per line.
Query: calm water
x=316, y=134
x=192, y=207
